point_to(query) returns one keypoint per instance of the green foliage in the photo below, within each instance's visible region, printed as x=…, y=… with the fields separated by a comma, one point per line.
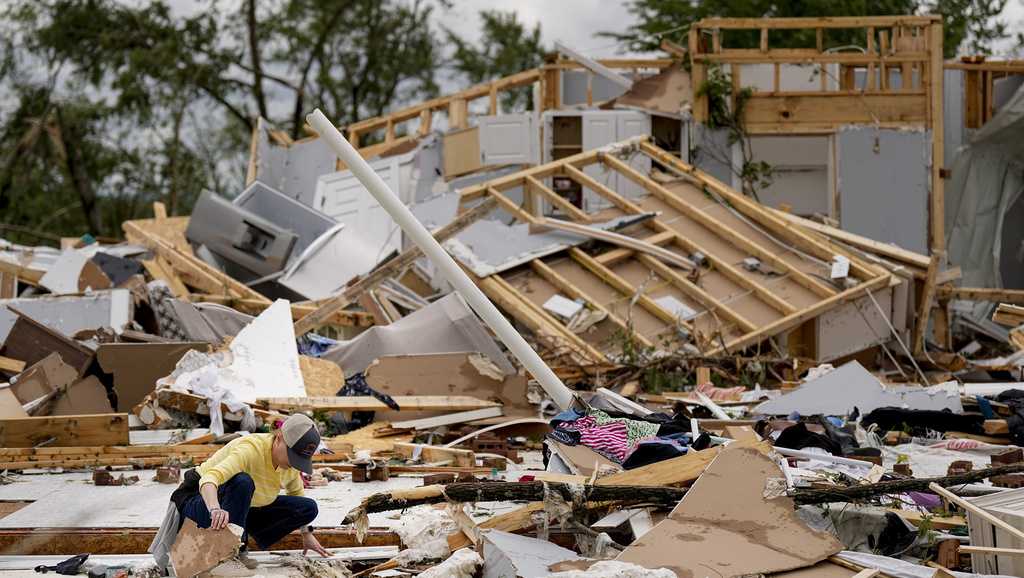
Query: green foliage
x=971, y=23
x=506, y=47
x=726, y=112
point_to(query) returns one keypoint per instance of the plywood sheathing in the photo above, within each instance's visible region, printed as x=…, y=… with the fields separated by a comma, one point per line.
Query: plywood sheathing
x=735, y=308
x=728, y=526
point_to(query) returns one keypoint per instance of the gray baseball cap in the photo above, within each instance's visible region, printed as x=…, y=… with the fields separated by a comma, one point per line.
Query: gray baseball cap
x=302, y=439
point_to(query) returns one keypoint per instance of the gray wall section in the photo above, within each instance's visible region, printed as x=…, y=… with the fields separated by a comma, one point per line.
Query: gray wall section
x=953, y=114
x=711, y=152
x=574, y=88
x=883, y=191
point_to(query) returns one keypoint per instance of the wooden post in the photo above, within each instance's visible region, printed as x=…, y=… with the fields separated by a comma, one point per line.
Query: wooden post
x=924, y=306
x=458, y=114
x=426, y=119
x=938, y=203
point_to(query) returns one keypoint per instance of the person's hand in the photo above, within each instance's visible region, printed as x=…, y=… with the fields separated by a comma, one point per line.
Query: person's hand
x=218, y=519
x=309, y=542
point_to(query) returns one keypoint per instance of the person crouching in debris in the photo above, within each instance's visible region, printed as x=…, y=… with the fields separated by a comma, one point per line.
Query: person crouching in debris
x=240, y=484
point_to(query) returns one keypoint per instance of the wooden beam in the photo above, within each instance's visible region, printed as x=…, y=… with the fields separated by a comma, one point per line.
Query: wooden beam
x=691, y=289
x=570, y=210
x=626, y=289
x=718, y=227
x=25, y=274
x=434, y=454
x=795, y=319
x=924, y=305
x=546, y=327
x=321, y=314
x=614, y=256
x=369, y=403
x=12, y=366
x=1011, y=296
x=66, y=430
x=717, y=263
x=815, y=22
x=562, y=284
x=108, y=541
x=510, y=206
x=198, y=273
x=620, y=240
x=770, y=220
x=937, y=202
x=300, y=309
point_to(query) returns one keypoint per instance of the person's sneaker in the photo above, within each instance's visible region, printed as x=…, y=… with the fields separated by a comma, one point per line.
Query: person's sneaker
x=247, y=561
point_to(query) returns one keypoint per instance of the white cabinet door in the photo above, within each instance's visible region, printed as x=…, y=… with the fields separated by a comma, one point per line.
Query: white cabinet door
x=630, y=124
x=600, y=127
x=508, y=139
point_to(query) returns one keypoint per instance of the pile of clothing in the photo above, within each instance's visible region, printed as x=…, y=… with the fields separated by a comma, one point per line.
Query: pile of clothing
x=625, y=439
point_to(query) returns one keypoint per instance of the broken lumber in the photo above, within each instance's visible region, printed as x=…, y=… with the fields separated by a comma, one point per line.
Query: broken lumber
x=435, y=454
x=11, y=365
x=617, y=239
x=368, y=403
x=322, y=314
x=100, y=541
x=866, y=491
x=514, y=491
x=66, y=430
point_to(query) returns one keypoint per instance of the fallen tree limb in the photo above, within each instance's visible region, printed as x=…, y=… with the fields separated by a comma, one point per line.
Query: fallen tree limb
x=857, y=493
x=512, y=492
x=663, y=496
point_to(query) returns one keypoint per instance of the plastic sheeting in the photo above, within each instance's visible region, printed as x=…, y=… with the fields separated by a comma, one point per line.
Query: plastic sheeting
x=900, y=568
x=988, y=177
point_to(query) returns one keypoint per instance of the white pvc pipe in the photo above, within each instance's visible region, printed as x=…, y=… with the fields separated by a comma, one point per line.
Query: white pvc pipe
x=560, y=394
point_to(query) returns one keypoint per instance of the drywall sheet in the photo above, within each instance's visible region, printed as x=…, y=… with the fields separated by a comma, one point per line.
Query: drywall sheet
x=669, y=92
x=800, y=172
x=513, y=556
x=490, y=246
x=137, y=366
x=851, y=386
x=884, y=179
x=445, y=326
x=725, y=526
x=462, y=373
x=294, y=169
x=855, y=326
x=574, y=87
x=71, y=314
x=955, y=134
x=266, y=358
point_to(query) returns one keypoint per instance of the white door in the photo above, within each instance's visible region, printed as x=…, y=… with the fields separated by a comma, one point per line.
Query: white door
x=368, y=227
x=600, y=128
x=629, y=124
x=508, y=139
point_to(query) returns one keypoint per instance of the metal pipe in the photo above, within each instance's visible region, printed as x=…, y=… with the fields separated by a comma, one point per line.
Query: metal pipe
x=560, y=394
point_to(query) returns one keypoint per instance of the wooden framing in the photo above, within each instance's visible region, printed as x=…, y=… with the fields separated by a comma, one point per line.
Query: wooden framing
x=456, y=105
x=979, y=85
x=903, y=43
x=739, y=307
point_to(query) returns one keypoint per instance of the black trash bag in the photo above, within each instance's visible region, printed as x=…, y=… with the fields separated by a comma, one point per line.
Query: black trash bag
x=69, y=567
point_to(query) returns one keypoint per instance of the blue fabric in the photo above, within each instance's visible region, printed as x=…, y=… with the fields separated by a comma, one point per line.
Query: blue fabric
x=267, y=525
x=985, y=406
x=567, y=415
x=314, y=345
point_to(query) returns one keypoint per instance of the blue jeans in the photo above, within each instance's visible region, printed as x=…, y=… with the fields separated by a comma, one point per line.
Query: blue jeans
x=266, y=524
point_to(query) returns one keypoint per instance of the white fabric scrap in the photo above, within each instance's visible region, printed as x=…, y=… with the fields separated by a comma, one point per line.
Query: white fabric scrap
x=211, y=376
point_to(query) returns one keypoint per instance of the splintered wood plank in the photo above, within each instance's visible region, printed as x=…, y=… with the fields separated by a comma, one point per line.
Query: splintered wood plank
x=368, y=403
x=67, y=430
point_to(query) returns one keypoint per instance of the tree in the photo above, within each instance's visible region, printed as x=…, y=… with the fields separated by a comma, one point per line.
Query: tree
x=971, y=20
x=506, y=47
x=138, y=102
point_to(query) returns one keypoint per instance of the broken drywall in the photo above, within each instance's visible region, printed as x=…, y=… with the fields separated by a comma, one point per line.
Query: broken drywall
x=851, y=386
x=137, y=366
x=73, y=272
x=462, y=564
x=513, y=556
x=726, y=527
x=71, y=314
x=612, y=569
x=446, y=325
x=266, y=357
x=197, y=550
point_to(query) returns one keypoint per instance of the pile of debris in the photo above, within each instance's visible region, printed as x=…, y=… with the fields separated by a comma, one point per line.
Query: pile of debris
x=749, y=392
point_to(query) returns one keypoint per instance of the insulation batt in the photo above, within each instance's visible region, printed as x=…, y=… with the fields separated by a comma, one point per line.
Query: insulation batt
x=462, y=564
x=424, y=531
x=613, y=569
